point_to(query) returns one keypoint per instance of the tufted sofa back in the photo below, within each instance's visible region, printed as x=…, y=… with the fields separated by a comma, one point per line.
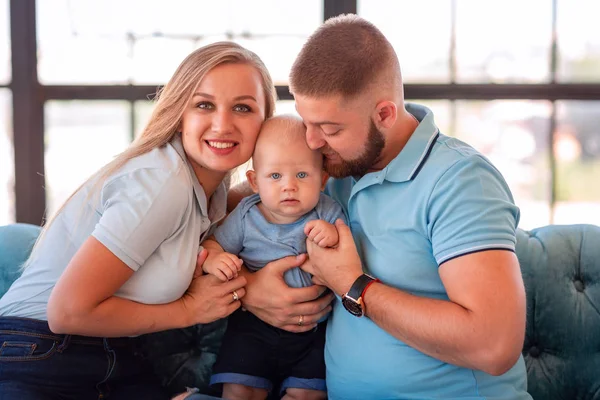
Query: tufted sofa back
x=561, y=271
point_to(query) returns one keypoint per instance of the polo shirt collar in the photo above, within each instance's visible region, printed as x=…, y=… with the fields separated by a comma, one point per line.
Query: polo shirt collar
x=407, y=164
x=216, y=210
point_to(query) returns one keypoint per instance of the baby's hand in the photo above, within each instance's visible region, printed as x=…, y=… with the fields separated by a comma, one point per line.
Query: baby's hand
x=224, y=266
x=322, y=233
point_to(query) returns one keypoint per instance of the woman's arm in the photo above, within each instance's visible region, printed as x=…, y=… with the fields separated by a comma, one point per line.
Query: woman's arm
x=83, y=300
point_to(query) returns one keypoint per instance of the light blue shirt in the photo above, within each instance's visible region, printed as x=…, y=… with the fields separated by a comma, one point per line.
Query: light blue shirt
x=246, y=233
x=437, y=200
x=152, y=214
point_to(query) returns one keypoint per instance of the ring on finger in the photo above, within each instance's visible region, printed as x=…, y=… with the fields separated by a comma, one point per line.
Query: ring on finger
x=301, y=320
x=235, y=296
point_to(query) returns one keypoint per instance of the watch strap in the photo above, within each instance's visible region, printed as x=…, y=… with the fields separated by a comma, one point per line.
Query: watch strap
x=360, y=286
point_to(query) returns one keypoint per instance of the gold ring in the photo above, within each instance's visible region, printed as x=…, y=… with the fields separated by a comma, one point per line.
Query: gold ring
x=235, y=296
x=301, y=320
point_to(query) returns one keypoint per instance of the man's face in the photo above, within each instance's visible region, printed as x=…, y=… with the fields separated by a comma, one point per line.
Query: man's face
x=346, y=135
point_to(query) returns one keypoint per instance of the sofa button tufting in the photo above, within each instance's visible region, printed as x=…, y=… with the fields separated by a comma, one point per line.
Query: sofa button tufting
x=579, y=286
x=534, y=352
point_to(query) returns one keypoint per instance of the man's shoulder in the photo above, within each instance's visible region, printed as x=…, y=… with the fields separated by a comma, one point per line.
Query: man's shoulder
x=450, y=155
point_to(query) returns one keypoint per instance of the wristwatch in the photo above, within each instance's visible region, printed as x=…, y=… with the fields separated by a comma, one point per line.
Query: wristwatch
x=353, y=300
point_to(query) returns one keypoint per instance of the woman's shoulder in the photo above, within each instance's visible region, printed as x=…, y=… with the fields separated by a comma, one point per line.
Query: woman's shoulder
x=163, y=163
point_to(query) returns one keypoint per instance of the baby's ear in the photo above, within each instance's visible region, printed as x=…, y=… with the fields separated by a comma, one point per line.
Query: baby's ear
x=324, y=179
x=251, y=176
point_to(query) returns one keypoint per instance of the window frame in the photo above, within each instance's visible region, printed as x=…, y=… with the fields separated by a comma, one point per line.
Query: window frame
x=29, y=97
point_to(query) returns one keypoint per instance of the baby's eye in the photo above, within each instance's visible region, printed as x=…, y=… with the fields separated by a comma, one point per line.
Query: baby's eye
x=301, y=175
x=275, y=175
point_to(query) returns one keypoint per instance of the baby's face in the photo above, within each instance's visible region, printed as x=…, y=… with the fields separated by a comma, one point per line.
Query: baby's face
x=288, y=179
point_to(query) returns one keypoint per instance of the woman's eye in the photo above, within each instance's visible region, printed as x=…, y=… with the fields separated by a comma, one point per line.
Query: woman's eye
x=205, y=106
x=275, y=175
x=242, y=108
x=301, y=175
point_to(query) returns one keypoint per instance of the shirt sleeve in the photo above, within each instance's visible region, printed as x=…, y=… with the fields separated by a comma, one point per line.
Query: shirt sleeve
x=230, y=234
x=139, y=210
x=471, y=209
x=330, y=210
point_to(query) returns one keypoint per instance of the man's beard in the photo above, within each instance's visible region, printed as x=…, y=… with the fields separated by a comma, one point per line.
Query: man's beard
x=361, y=165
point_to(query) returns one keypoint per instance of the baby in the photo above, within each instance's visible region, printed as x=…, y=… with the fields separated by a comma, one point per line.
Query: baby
x=286, y=209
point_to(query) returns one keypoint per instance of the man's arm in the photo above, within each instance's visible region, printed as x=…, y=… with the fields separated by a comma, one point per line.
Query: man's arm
x=481, y=327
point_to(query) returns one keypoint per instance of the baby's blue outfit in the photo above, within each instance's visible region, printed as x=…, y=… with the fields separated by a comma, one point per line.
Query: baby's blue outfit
x=257, y=241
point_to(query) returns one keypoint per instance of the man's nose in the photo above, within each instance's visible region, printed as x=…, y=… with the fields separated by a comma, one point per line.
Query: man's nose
x=314, y=138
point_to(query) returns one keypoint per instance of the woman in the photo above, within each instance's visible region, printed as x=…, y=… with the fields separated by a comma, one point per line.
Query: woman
x=118, y=259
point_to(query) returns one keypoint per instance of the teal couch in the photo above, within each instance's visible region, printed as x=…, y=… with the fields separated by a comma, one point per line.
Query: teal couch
x=561, y=270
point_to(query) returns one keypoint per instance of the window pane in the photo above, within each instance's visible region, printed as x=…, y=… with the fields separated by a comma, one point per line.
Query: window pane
x=577, y=152
x=80, y=138
x=286, y=107
x=76, y=40
x=7, y=160
x=514, y=136
x=5, y=58
x=578, y=36
x=503, y=41
x=142, y=111
x=420, y=38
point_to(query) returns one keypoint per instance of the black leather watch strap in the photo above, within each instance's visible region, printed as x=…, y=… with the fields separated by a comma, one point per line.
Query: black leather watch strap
x=359, y=285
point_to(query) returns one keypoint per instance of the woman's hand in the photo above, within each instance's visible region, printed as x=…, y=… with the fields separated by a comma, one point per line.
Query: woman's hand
x=273, y=301
x=208, y=299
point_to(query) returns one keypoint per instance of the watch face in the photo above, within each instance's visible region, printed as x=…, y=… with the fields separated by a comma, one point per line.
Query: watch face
x=353, y=307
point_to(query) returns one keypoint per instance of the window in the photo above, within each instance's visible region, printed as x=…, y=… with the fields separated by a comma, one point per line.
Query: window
x=76, y=38
x=81, y=137
x=5, y=58
x=577, y=154
x=462, y=61
x=578, y=35
x=503, y=41
x=420, y=38
x=7, y=162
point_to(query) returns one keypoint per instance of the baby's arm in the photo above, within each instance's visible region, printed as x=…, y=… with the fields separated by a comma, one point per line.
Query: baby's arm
x=219, y=263
x=321, y=233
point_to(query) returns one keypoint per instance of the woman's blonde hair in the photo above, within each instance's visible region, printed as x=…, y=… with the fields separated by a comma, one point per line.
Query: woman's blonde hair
x=171, y=102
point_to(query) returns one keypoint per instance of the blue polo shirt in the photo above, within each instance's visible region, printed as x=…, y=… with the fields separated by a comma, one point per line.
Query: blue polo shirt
x=437, y=200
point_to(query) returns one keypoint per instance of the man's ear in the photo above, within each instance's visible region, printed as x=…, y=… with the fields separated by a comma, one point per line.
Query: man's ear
x=251, y=176
x=324, y=179
x=385, y=114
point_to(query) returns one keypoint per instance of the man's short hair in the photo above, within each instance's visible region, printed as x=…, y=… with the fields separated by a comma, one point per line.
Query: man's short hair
x=344, y=56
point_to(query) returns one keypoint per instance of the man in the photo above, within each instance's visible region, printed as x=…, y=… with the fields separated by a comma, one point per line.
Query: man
x=441, y=313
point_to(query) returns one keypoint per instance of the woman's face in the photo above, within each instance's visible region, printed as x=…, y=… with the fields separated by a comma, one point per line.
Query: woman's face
x=221, y=123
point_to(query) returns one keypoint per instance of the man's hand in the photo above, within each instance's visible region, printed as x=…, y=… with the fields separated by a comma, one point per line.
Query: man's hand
x=223, y=265
x=321, y=233
x=273, y=301
x=335, y=268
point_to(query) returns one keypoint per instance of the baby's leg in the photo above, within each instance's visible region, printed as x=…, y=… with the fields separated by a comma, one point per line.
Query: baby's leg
x=235, y=391
x=303, y=394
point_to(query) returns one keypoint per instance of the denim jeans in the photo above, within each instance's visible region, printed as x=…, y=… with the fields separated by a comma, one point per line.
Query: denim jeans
x=38, y=364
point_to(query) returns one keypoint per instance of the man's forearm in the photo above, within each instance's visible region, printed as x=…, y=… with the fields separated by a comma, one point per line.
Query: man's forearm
x=441, y=329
